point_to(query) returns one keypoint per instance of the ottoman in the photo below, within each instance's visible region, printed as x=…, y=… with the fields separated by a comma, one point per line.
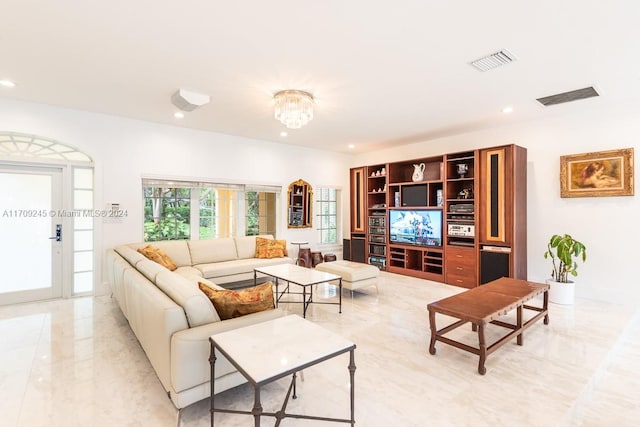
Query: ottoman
x=355, y=275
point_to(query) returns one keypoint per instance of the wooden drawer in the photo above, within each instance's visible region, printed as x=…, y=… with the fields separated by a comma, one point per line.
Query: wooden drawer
x=461, y=267
x=461, y=257
x=463, y=280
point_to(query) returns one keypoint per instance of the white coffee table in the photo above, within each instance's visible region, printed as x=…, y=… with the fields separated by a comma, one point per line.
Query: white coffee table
x=274, y=349
x=303, y=277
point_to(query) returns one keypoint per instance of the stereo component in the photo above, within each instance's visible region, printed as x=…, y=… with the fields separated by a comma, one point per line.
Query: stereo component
x=462, y=207
x=463, y=230
x=378, y=221
x=377, y=230
x=376, y=238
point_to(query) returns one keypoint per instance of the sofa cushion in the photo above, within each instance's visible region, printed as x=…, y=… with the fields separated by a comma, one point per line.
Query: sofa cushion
x=185, y=293
x=131, y=255
x=188, y=271
x=176, y=249
x=215, y=270
x=270, y=248
x=350, y=271
x=214, y=250
x=209, y=283
x=150, y=269
x=230, y=304
x=246, y=246
x=159, y=256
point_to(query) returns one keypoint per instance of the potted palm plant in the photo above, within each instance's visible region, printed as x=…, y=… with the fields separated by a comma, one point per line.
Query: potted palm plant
x=563, y=250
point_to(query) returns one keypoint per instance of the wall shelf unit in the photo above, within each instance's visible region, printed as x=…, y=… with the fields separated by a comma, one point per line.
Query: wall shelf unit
x=481, y=197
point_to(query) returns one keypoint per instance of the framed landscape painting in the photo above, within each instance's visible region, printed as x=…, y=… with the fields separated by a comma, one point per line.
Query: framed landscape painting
x=604, y=173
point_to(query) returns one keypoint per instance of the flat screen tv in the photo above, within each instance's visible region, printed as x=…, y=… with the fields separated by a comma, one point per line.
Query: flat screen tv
x=416, y=227
x=414, y=195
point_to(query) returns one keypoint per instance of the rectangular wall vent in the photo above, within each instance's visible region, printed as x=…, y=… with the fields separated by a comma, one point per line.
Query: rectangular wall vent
x=574, y=95
x=494, y=60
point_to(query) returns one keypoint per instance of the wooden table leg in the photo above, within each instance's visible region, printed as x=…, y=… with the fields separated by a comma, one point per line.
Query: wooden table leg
x=519, y=338
x=545, y=306
x=482, y=345
x=432, y=326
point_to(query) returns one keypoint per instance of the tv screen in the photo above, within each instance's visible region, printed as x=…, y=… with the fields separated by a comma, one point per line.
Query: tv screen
x=415, y=227
x=414, y=195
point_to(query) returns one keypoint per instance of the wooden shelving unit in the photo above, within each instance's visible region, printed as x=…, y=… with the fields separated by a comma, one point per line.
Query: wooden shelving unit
x=481, y=195
x=377, y=231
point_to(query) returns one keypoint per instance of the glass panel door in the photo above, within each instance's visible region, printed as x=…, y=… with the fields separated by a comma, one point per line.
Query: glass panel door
x=32, y=233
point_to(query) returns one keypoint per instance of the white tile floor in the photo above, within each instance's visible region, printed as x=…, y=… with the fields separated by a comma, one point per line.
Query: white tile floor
x=77, y=363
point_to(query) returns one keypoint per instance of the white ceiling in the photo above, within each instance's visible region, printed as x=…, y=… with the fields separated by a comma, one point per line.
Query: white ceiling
x=382, y=73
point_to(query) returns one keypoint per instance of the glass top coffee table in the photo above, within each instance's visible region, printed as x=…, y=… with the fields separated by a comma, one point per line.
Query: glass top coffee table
x=274, y=349
x=303, y=277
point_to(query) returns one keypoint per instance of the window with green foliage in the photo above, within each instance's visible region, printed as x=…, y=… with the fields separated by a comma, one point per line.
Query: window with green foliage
x=167, y=213
x=327, y=213
x=207, y=213
x=192, y=210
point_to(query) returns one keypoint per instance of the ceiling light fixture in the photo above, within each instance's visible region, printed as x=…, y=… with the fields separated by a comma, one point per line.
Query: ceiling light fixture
x=7, y=83
x=507, y=110
x=178, y=115
x=293, y=108
x=187, y=100
x=283, y=133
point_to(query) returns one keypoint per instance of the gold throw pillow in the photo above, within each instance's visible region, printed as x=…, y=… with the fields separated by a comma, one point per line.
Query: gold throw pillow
x=230, y=304
x=270, y=248
x=159, y=256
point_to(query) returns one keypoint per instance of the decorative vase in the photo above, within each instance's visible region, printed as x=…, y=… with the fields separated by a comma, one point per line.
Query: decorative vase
x=462, y=169
x=418, y=172
x=561, y=293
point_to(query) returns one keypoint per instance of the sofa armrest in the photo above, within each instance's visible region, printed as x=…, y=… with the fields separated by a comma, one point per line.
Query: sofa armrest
x=190, y=349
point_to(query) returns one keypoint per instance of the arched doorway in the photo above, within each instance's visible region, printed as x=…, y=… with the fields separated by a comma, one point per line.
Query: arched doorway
x=46, y=219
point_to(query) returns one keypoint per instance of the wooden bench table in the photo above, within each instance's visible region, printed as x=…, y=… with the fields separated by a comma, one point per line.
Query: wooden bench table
x=485, y=304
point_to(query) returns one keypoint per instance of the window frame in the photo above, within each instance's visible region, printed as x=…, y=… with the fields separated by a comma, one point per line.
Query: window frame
x=321, y=201
x=236, y=205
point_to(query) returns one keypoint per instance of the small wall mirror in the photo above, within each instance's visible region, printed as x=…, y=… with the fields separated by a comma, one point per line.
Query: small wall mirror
x=299, y=201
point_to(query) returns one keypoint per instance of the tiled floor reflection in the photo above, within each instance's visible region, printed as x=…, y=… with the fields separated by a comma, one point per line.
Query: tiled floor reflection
x=77, y=363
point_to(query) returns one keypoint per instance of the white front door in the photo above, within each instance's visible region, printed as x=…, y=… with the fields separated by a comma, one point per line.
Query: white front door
x=31, y=231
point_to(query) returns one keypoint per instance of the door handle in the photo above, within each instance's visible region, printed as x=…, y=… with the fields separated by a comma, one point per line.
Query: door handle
x=58, y=236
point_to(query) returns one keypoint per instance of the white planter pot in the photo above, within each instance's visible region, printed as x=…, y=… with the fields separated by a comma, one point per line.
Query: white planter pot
x=562, y=293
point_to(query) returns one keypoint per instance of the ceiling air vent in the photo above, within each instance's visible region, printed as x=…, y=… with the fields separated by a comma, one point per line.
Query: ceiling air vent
x=574, y=95
x=494, y=60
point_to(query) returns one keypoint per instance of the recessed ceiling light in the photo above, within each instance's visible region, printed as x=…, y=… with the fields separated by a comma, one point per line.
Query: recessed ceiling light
x=7, y=83
x=507, y=110
x=178, y=115
x=283, y=133
x=351, y=146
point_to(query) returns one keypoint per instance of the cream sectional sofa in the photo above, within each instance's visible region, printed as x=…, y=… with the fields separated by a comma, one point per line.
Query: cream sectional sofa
x=173, y=319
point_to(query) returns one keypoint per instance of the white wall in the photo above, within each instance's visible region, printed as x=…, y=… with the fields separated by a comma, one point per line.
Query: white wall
x=607, y=225
x=124, y=150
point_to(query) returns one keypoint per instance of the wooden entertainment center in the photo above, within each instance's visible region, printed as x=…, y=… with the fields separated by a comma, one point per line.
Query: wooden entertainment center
x=458, y=218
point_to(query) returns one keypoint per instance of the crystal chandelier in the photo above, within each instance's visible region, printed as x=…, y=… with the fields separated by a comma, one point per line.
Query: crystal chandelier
x=294, y=108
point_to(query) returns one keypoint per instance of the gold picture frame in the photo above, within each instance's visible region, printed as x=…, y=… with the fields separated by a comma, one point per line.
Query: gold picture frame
x=599, y=174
